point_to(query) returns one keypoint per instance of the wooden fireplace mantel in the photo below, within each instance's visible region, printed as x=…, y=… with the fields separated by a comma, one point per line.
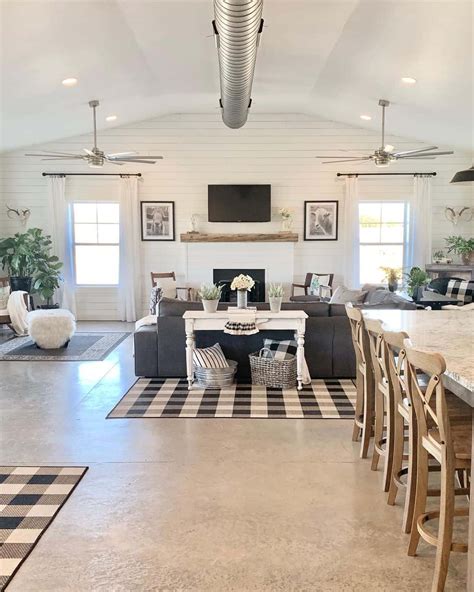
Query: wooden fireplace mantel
x=277, y=237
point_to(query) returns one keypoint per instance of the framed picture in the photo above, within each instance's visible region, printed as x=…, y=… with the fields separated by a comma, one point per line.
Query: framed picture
x=321, y=220
x=157, y=220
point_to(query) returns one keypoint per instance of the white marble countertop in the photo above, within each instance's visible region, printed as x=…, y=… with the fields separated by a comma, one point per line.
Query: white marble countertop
x=448, y=332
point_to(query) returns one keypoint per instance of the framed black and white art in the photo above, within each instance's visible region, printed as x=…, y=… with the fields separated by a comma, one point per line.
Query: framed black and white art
x=157, y=220
x=320, y=220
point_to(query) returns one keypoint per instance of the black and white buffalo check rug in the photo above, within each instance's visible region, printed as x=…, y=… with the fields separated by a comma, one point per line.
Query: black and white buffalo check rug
x=30, y=498
x=83, y=347
x=161, y=397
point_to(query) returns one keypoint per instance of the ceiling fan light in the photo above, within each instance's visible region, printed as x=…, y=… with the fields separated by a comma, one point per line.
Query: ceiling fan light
x=466, y=176
x=69, y=82
x=389, y=148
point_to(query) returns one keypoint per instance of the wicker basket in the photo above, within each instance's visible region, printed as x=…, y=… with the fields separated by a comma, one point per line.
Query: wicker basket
x=272, y=373
x=215, y=377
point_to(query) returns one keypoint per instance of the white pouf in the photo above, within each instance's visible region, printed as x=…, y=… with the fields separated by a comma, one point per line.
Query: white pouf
x=51, y=329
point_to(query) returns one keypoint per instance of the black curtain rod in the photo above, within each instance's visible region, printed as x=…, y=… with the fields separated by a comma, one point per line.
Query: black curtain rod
x=386, y=174
x=91, y=174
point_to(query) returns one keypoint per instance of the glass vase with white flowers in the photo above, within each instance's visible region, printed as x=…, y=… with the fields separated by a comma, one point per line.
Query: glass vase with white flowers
x=243, y=284
x=286, y=219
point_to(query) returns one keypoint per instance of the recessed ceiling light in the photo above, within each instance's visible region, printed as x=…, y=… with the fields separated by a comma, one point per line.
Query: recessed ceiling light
x=70, y=82
x=408, y=80
x=366, y=117
x=111, y=118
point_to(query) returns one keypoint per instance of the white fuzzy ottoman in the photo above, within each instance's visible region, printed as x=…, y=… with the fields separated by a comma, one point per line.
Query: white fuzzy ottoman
x=51, y=329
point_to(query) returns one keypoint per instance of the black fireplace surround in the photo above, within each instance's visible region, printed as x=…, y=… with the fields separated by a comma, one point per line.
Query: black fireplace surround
x=224, y=277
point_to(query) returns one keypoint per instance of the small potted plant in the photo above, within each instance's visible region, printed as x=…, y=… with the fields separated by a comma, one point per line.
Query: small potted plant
x=47, y=281
x=439, y=257
x=463, y=247
x=392, y=275
x=210, y=296
x=243, y=284
x=275, y=297
x=286, y=219
x=416, y=279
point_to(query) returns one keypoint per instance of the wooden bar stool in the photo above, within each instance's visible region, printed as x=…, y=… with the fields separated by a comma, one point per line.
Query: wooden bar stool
x=383, y=391
x=447, y=438
x=403, y=417
x=364, y=412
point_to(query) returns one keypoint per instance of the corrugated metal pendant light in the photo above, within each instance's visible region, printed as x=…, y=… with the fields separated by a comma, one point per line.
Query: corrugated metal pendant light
x=237, y=26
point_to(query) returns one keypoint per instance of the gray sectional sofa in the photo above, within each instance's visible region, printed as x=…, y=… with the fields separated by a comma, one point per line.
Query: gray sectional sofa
x=160, y=348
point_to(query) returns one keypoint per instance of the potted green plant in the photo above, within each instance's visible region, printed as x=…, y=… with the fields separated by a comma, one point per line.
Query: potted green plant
x=210, y=296
x=47, y=281
x=463, y=247
x=392, y=275
x=416, y=278
x=275, y=297
x=26, y=257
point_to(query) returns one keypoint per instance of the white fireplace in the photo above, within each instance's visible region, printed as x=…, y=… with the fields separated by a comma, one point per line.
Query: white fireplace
x=277, y=259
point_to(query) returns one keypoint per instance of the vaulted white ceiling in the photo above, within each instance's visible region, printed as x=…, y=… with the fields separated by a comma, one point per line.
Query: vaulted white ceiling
x=144, y=58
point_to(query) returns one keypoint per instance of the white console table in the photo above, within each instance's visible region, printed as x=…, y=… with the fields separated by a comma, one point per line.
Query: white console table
x=199, y=320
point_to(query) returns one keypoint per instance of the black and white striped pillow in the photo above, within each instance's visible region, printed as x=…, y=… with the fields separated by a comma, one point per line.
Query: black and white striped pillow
x=210, y=357
x=281, y=350
x=460, y=290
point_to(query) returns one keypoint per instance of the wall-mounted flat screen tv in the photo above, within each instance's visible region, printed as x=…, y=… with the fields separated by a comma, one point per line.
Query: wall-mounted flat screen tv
x=239, y=203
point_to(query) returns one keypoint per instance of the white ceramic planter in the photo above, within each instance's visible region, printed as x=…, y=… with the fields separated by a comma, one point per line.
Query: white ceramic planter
x=210, y=305
x=275, y=303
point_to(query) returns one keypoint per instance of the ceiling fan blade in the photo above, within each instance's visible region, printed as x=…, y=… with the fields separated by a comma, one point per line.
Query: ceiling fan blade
x=137, y=156
x=415, y=151
x=63, y=158
x=342, y=157
x=346, y=160
x=416, y=157
x=121, y=160
x=52, y=154
x=115, y=162
x=430, y=154
x=120, y=154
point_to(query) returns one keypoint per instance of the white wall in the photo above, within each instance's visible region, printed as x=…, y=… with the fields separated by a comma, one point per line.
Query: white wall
x=198, y=150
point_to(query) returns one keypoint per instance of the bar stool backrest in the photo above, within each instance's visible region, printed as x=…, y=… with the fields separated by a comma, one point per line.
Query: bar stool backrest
x=359, y=336
x=430, y=401
x=375, y=335
x=396, y=362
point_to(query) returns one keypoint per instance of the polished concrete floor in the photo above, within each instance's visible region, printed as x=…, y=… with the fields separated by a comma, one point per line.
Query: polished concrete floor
x=199, y=504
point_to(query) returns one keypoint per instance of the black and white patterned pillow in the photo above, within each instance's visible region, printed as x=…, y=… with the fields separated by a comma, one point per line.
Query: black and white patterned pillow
x=155, y=296
x=210, y=357
x=281, y=350
x=460, y=290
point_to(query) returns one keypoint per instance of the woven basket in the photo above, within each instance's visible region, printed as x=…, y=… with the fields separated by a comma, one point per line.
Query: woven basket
x=215, y=377
x=272, y=373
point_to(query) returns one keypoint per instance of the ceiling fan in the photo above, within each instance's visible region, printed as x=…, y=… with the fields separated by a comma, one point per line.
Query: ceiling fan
x=96, y=158
x=385, y=154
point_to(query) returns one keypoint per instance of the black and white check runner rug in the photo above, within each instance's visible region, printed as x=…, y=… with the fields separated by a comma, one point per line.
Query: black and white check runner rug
x=30, y=498
x=160, y=397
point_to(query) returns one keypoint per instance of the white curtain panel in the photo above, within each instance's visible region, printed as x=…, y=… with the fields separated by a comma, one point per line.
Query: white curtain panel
x=351, y=233
x=61, y=235
x=129, y=282
x=419, y=242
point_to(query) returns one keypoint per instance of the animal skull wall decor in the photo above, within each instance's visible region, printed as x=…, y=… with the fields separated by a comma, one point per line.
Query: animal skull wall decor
x=20, y=214
x=464, y=214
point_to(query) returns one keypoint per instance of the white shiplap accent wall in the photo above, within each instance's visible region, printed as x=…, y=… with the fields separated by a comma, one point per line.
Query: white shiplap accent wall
x=277, y=148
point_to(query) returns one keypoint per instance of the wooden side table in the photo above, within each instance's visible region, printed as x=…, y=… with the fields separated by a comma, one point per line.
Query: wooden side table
x=199, y=320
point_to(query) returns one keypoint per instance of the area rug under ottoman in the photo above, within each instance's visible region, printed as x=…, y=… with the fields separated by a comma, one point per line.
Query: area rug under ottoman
x=166, y=398
x=83, y=347
x=30, y=498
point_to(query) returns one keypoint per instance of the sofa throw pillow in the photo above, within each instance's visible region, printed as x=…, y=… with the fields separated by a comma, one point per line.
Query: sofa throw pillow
x=210, y=357
x=343, y=295
x=4, y=296
x=168, y=287
x=155, y=296
x=460, y=290
x=280, y=350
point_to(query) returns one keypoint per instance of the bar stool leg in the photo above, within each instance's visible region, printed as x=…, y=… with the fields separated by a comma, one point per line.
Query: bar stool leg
x=411, y=477
x=397, y=463
x=421, y=493
x=378, y=430
x=387, y=469
x=445, y=530
x=367, y=427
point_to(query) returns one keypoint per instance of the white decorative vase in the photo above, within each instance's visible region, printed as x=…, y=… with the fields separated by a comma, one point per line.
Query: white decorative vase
x=286, y=224
x=210, y=305
x=241, y=298
x=275, y=303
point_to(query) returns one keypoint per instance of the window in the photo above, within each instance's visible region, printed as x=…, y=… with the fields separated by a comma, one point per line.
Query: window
x=383, y=232
x=96, y=243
